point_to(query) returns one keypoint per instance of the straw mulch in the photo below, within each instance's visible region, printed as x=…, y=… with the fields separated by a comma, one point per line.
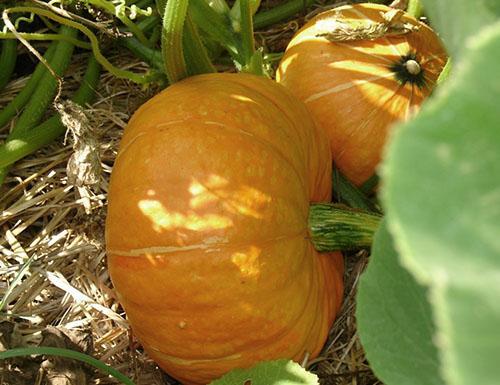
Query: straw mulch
x=53, y=274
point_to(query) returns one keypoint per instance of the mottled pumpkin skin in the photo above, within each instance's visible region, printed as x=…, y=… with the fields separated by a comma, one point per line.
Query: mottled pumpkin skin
x=351, y=88
x=206, y=232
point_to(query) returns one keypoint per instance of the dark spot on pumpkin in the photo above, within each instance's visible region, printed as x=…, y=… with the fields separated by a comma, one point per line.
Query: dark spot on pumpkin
x=248, y=382
x=409, y=70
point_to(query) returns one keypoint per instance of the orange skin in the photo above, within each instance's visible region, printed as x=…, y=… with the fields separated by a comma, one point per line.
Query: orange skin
x=206, y=232
x=349, y=87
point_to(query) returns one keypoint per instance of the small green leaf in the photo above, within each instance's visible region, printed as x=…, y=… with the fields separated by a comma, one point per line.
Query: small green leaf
x=456, y=20
x=395, y=320
x=280, y=372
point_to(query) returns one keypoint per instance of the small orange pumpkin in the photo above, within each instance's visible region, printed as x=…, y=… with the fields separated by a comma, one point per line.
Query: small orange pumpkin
x=359, y=69
x=206, y=233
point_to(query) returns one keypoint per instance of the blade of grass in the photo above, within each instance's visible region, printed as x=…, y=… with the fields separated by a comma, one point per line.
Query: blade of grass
x=67, y=353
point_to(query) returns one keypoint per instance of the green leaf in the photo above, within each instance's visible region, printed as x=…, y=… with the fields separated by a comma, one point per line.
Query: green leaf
x=280, y=372
x=395, y=320
x=441, y=191
x=456, y=20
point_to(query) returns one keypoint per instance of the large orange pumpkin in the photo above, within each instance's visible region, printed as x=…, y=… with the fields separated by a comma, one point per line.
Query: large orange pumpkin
x=206, y=232
x=359, y=69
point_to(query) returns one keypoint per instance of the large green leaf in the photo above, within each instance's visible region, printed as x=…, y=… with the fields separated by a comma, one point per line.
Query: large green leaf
x=441, y=192
x=395, y=321
x=279, y=372
x=456, y=20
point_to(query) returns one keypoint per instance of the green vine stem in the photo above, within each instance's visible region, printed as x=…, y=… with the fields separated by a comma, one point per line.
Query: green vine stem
x=67, y=353
x=171, y=40
x=247, y=40
x=152, y=57
x=370, y=184
x=45, y=37
x=30, y=141
x=160, y=6
x=219, y=6
x=345, y=192
x=155, y=36
x=149, y=55
x=235, y=13
x=280, y=12
x=196, y=55
x=23, y=97
x=120, y=13
x=136, y=78
x=8, y=57
x=215, y=26
x=415, y=8
x=333, y=227
x=45, y=91
x=143, y=4
x=251, y=59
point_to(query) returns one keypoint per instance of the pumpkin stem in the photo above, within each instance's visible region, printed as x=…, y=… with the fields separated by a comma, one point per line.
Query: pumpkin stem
x=335, y=227
x=412, y=67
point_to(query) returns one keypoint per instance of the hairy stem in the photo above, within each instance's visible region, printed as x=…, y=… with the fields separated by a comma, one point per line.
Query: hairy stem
x=171, y=40
x=333, y=227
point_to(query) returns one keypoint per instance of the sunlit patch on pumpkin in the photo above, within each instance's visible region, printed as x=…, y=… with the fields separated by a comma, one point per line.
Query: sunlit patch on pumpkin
x=243, y=200
x=153, y=259
x=242, y=98
x=248, y=261
x=287, y=61
x=164, y=220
